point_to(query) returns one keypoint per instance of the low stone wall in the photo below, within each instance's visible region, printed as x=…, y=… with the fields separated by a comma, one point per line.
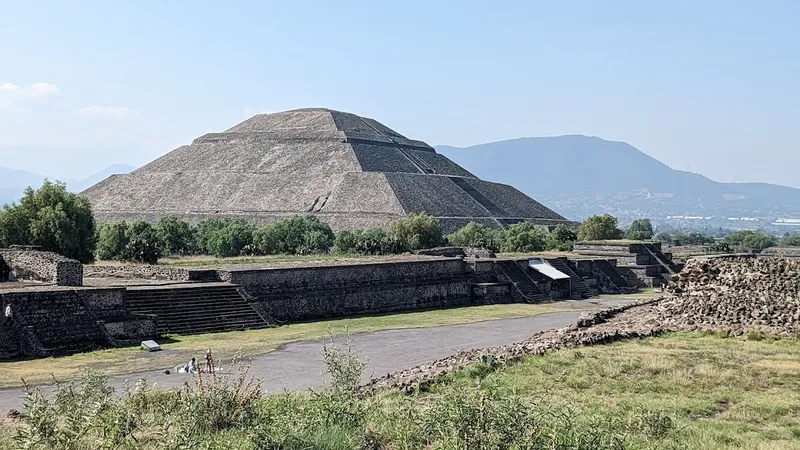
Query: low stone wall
x=302, y=293
x=48, y=267
x=145, y=272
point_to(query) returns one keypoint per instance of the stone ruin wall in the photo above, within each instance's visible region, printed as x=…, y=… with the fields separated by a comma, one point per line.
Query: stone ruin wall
x=47, y=319
x=149, y=273
x=303, y=293
x=47, y=267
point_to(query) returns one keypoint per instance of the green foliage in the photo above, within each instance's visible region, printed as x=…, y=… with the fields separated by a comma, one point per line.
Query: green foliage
x=693, y=238
x=112, y=240
x=752, y=240
x=474, y=234
x=524, y=237
x=640, y=230
x=297, y=235
x=600, y=228
x=718, y=247
x=792, y=240
x=224, y=238
x=372, y=241
x=136, y=241
x=416, y=231
x=52, y=218
x=175, y=237
x=142, y=243
x=562, y=238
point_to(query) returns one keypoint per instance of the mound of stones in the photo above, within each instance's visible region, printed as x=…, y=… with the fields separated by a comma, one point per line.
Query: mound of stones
x=735, y=295
x=730, y=296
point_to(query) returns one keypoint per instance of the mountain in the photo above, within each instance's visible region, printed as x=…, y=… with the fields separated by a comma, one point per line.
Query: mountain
x=579, y=176
x=14, y=182
x=91, y=180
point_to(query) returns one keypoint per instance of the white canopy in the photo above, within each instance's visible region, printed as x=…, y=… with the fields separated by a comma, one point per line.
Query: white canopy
x=544, y=268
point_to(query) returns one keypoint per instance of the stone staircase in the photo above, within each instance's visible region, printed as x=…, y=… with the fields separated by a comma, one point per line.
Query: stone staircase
x=421, y=165
x=195, y=308
x=611, y=273
x=522, y=284
x=578, y=285
x=662, y=259
x=478, y=197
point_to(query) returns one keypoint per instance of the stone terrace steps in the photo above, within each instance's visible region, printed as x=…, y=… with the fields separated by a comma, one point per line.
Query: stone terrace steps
x=195, y=309
x=521, y=282
x=578, y=285
x=611, y=273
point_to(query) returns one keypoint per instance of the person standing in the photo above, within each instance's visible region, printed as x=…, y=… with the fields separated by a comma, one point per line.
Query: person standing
x=209, y=362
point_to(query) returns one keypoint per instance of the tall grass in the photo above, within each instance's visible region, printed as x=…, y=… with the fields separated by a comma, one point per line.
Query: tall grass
x=230, y=412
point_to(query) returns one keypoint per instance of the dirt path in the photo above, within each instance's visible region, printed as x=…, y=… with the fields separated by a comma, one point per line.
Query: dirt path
x=299, y=365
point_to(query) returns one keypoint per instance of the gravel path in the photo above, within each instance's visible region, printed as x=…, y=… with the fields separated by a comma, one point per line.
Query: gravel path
x=299, y=365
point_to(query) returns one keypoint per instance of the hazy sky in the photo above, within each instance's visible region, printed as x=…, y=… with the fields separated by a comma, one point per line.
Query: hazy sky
x=710, y=86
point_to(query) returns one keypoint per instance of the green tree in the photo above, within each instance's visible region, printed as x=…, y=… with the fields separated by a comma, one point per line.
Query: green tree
x=562, y=238
x=52, y=218
x=175, y=236
x=228, y=238
x=142, y=243
x=295, y=235
x=416, y=231
x=524, y=237
x=474, y=234
x=792, y=240
x=600, y=228
x=640, y=230
x=112, y=240
x=749, y=239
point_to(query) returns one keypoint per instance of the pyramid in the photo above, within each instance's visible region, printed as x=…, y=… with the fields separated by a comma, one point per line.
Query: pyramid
x=350, y=171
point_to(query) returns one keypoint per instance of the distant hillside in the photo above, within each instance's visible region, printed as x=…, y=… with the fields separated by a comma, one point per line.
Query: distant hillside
x=579, y=176
x=14, y=182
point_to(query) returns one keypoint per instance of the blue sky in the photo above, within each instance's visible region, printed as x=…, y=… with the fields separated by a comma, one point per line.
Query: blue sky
x=709, y=86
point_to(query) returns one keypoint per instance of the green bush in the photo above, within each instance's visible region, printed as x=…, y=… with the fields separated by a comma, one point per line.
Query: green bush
x=600, y=228
x=474, y=234
x=752, y=240
x=416, y=231
x=112, y=240
x=142, y=244
x=296, y=235
x=372, y=241
x=792, y=240
x=524, y=237
x=228, y=238
x=175, y=237
x=640, y=230
x=562, y=238
x=52, y=218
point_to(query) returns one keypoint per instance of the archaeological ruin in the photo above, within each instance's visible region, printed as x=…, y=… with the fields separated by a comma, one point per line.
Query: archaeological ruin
x=62, y=307
x=350, y=171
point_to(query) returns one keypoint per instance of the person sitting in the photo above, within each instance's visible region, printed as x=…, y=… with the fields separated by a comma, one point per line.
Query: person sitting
x=192, y=366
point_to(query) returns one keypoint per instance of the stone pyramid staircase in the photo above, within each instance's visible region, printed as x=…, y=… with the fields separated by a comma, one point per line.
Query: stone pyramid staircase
x=578, y=285
x=522, y=284
x=195, y=308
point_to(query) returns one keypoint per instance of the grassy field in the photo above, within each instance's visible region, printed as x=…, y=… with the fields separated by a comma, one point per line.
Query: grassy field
x=251, y=342
x=717, y=393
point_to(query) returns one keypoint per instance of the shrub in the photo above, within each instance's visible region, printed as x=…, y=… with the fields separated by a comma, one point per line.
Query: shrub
x=372, y=241
x=52, y=218
x=752, y=240
x=296, y=235
x=141, y=243
x=416, y=231
x=562, y=238
x=112, y=240
x=524, y=237
x=792, y=240
x=175, y=237
x=474, y=234
x=640, y=230
x=228, y=238
x=599, y=228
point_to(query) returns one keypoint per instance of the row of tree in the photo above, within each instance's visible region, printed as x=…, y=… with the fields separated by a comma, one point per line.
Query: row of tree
x=60, y=221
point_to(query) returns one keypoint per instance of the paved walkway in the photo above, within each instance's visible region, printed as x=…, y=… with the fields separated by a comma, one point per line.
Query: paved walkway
x=299, y=365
